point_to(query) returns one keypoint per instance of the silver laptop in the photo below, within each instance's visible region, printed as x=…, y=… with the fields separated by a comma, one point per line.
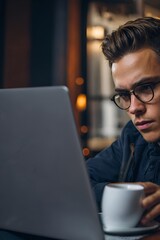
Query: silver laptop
x=44, y=186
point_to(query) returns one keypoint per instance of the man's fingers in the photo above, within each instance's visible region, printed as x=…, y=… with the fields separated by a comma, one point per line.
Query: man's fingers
x=151, y=215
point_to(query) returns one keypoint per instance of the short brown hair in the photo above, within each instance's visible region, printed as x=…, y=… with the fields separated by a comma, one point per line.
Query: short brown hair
x=134, y=35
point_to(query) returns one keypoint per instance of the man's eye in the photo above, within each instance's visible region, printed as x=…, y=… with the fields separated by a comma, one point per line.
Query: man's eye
x=144, y=88
x=124, y=96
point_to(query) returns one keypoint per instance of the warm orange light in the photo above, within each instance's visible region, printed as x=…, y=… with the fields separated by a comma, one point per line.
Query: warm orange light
x=95, y=32
x=79, y=81
x=86, y=152
x=81, y=102
x=84, y=129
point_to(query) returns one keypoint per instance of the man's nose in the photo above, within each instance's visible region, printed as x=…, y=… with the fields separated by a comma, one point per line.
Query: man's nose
x=136, y=105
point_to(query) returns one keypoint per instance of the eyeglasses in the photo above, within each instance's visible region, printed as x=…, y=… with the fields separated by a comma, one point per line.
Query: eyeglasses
x=143, y=92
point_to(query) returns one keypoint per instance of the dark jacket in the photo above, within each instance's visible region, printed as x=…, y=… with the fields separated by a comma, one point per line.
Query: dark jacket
x=144, y=166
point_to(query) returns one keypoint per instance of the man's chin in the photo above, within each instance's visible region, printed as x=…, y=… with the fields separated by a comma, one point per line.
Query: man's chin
x=150, y=137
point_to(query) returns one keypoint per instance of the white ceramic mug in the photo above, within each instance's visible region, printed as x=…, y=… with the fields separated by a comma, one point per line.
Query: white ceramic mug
x=121, y=205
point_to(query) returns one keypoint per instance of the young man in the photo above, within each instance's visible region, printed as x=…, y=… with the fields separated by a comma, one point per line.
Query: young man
x=133, y=52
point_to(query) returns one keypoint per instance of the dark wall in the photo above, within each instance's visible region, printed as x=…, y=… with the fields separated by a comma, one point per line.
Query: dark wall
x=33, y=42
x=48, y=42
x=2, y=6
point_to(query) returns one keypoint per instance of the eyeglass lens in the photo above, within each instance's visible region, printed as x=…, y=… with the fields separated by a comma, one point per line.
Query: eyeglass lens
x=142, y=92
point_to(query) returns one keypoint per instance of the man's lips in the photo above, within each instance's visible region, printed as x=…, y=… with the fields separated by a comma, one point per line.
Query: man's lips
x=143, y=125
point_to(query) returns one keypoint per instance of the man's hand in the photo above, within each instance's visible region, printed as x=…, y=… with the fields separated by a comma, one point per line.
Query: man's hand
x=151, y=202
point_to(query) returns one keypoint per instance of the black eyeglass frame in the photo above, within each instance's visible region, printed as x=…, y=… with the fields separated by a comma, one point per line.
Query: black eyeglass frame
x=132, y=91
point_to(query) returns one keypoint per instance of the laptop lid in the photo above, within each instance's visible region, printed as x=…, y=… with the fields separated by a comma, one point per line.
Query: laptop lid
x=44, y=186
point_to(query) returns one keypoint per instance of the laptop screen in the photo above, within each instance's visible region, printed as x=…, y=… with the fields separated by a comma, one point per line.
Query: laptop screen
x=44, y=185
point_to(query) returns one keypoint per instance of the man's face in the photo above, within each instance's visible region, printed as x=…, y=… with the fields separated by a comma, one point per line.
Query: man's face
x=132, y=69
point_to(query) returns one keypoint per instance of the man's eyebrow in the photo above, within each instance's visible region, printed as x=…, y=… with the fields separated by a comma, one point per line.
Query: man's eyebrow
x=141, y=81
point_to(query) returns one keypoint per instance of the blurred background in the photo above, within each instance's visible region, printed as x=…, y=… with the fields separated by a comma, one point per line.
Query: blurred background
x=57, y=42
